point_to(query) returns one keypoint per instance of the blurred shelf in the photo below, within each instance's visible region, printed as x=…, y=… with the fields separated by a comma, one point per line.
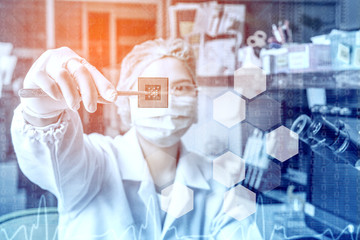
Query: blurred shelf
x=345, y=79
x=261, y=1
x=215, y=81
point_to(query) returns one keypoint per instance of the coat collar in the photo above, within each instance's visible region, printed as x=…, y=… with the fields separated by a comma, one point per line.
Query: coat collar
x=192, y=169
x=132, y=163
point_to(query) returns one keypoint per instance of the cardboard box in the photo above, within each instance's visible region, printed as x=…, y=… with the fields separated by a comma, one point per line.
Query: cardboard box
x=297, y=58
x=344, y=53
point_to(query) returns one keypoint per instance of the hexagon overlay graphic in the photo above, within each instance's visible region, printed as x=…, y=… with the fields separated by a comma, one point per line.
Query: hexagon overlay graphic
x=282, y=143
x=213, y=138
x=268, y=178
x=228, y=169
x=249, y=81
x=239, y=202
x=229, y=109
x=264, y=112
x=177, y=200
x=160, y=158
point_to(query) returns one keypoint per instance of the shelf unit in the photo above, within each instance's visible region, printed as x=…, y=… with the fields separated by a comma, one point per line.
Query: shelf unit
x=121, y=17
x=345, y=79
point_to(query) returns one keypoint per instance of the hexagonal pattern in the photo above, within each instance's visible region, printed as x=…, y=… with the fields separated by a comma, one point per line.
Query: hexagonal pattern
x=249, y=81
x=229, y=109
x=212, y=138
x=264, y=112
x=239, y=202
x=167, y=165
x=269, y=178
x=228, y=169
x=177, y=200
x=282, y=143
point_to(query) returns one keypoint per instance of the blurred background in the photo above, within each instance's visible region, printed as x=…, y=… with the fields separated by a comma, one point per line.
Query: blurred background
x=264, y=67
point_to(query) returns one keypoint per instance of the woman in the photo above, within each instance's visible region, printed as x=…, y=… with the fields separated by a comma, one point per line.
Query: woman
x=143, y=185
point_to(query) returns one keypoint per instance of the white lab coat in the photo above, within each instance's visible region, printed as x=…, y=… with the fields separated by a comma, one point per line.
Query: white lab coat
x=105, y=191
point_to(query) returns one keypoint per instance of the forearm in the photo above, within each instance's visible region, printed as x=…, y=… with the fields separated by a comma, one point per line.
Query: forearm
x=56, y=157
x=36, y=147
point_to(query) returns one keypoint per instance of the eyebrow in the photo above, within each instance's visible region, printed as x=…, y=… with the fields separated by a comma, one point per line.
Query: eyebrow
x=182, y=80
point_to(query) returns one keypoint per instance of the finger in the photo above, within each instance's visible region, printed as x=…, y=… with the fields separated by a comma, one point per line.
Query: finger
x=53, y=104
x=86, y=84
x=48, y=85
x=68, y=89
x=105, y=88
x=103, y=101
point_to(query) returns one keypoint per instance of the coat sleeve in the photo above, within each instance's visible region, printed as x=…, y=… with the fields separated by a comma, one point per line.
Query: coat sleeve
x=60, y=159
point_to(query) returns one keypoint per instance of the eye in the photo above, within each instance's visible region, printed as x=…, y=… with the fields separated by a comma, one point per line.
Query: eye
x=179, y=88
x=184, y=89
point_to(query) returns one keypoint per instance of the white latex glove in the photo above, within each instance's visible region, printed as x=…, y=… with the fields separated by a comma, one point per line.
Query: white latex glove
x=67, y=79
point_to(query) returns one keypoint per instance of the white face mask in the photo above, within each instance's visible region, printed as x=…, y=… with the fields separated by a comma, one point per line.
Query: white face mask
x=164, y=126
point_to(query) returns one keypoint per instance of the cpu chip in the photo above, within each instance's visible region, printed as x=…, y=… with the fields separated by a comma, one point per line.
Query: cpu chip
x=158, y=92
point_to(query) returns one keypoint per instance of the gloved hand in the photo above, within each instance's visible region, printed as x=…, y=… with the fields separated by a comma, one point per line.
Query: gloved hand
x=68, y=79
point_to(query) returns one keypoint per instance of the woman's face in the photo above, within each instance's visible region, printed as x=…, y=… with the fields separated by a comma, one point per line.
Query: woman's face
x=164, y=127
x=171, y=68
